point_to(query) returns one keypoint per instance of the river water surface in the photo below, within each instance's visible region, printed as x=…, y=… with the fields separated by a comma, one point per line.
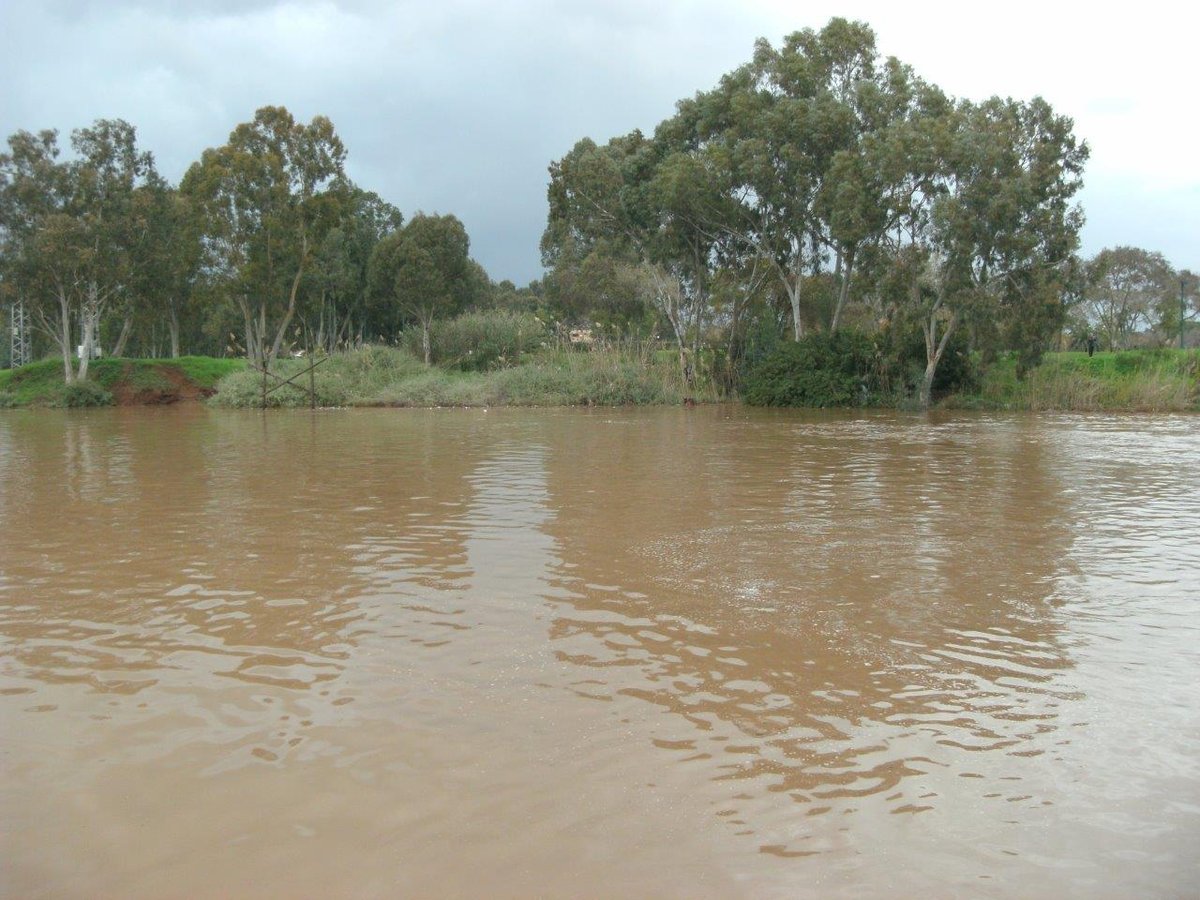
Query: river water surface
x=710, y=652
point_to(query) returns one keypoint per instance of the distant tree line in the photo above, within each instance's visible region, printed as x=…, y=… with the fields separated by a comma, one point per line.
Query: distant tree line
x=264, y=245
x=817, y=188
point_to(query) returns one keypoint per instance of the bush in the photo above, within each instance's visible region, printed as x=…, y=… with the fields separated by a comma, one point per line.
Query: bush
x=481, y=341
x=820, y=370
x=81, y=394
x=382, y=376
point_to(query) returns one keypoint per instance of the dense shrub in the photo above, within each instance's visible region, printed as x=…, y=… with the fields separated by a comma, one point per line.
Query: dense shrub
x=481, y=341
x=820, y=370
x=80, y=394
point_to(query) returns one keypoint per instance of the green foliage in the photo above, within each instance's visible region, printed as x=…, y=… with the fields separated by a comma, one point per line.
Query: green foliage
x=594, y=378
x=821, y=370
x=421, y=273
x=267, y=199
x=479, y=341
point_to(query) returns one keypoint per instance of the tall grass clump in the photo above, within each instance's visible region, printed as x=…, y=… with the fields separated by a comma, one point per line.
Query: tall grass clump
x=482, y=341
x=345, y=379
x=602, y=377
x=1161, y=380
x=437, y=387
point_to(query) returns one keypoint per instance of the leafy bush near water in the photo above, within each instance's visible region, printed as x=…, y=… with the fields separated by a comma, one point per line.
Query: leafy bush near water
x=820, y=370
x=902, y=364
x=849, y=368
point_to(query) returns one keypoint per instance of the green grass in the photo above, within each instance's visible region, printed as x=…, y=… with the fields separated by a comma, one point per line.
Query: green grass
x=1162, y=380
x=41, y=383
x=206, y=371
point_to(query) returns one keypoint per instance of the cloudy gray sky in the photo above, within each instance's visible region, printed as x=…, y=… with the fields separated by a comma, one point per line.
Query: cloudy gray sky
x=459, y=105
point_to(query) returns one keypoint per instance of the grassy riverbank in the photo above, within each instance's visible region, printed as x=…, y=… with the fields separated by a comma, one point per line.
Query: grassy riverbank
x=115, y=381
x=1161, y=380
x=1141, y=380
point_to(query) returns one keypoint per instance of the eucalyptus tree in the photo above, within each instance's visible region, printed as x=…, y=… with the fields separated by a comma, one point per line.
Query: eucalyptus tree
x=342, y=268
x=421, y=273
x=70, y=230
x=268, y=197
x=1126, y=288
x=990, y=229
x=33, y=196
x=807, y=133
x=647, y=205
x=165, y=251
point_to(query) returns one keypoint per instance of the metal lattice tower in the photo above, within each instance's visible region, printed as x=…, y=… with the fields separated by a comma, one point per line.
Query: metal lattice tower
x=22, y=343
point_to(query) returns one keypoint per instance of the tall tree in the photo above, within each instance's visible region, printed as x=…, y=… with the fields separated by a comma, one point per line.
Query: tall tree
x=422, y=272
x=991, y=229
x=804, y=132
x=1126, y=287
x=342, y=267
x=268, y=197
x=648, y=204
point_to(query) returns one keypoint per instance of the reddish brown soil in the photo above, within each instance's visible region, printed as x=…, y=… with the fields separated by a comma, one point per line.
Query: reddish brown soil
x=125, y=394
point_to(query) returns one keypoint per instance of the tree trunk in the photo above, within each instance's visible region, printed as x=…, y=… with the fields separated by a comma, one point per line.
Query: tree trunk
x=173, y=330
x=88, y=338
x=934, y=351
x=123, y=337
x=90, y=321
x=291, y=310
x=425, y=348
x=843, y=289
x=791, y=284
x=253, y=354
x=64, y=338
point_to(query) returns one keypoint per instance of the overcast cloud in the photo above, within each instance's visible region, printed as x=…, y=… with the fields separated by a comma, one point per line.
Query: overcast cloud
x=459, y=106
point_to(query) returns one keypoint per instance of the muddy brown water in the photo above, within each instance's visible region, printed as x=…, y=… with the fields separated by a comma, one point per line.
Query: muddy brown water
x=694, y=653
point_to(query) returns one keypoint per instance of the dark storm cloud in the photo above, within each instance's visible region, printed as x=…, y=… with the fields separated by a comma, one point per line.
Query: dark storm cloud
x=452, y=107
